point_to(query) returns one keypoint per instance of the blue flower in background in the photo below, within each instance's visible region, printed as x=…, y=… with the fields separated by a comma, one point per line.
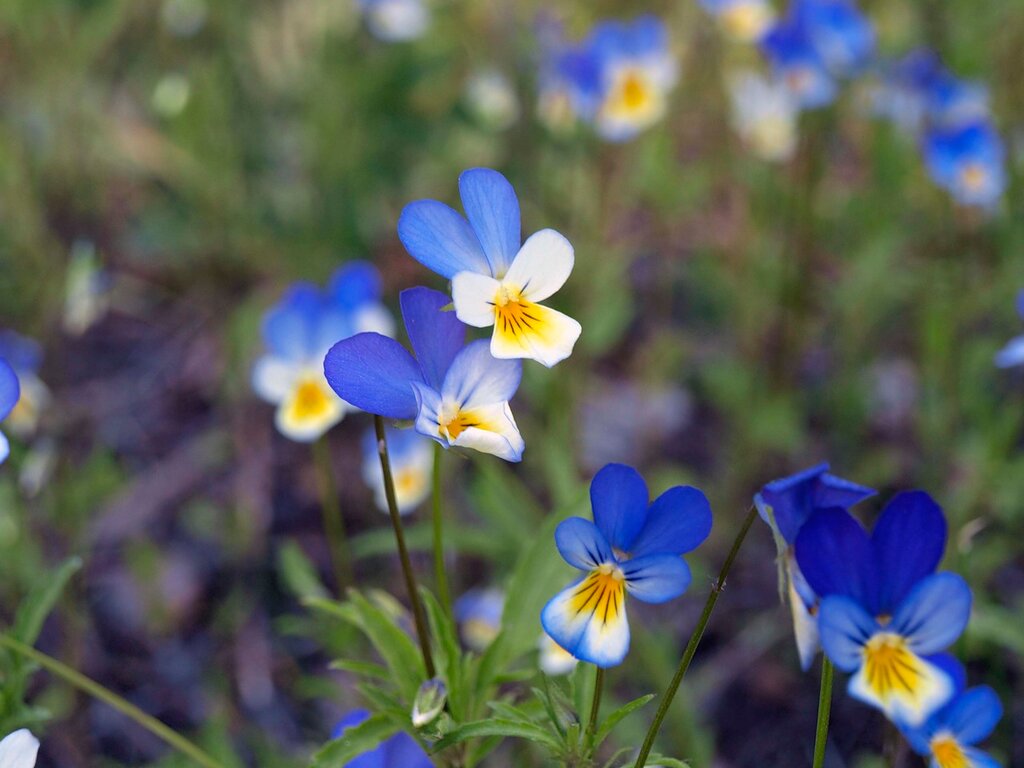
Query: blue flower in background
x=399, y=751
x=968, y=161
x=842, y=36
x=298, y=331
x=25, y=356
x=786, y=504
x=412, y=459
x=743, y=20
x=569, y=78
x=635, y=546
x=395, y=21
x=457, y=394
x=10, y=391
x=885, y=615
x=1013, y=353
x=478, y=613
x=495, y=280
x=797, y=63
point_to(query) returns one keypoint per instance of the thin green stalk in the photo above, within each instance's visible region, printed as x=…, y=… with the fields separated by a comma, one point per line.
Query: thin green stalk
x=334, y=524
x=691, y=646
x=595, y=707
x=824, y=709
x=403, y=553
x=440, y=575
x=94, y=689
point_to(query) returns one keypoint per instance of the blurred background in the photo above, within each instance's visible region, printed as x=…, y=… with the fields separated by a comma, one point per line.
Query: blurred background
x=168, y=167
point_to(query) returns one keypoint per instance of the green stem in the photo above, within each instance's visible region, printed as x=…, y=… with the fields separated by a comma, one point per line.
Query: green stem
x=595, y=707
x=403, y=553
x=824, y=709
x=440, y=575
x=334, y=523
x=91, y=687
x=691, y=646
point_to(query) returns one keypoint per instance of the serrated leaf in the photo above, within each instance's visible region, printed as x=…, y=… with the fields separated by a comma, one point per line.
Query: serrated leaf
x=609, y=723
x=356, y=741
x=497, y=727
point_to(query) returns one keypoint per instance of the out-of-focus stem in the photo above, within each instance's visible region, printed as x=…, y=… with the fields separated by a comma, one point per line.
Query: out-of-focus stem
x=440, y=574
x=334, y=524
x=824, y=709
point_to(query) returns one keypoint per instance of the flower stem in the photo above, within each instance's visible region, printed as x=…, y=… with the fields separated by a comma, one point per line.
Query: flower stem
x=403, y=552
x=91, y=687
x=334, y=524
x=440, y=575
x=595, y=707
x=824, y=708
x=691, y=646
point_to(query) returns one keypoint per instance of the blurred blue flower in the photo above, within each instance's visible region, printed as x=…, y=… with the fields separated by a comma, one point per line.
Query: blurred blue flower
x=743, y=20
x=1013, y=353
x=395, y=21
x=839, y=32
x=634, y=545
x=399, y=751
x=496, y=279
x=569, y=84
x=885, y=615
x=298, y=331
x=457, y=394
x=968, y=161
x=412, y=459
x=478, y=613
x=786, y=504
x=797, y=63
x=25, y=355
x=552, y=658
x=10, y=391
x=904, y=92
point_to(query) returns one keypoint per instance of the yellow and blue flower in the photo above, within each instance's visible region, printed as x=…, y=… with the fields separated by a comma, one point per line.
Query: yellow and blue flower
x=298, y=331
x=569, y=81
x=743, y=20
x=399, y=751
x=796, y=63
x=478, y=613
x=496, y=279
x=786, y=504
x=24, y=355
x=412, y=459
x=633, y=545
x=968, y=161
x=885, y=615
x=457, y=394
x=839, y=32
x=1013, y=353
x=10, y=392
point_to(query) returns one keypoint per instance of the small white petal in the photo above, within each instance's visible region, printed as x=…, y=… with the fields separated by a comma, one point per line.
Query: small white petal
x=496, y=433
x=473, y=295
x=542, y=265
x=19, y=749
x=273, y=378
x=374, y=318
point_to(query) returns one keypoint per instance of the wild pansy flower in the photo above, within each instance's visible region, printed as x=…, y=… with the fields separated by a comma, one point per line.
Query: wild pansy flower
x=495, y=280
x=1013, y=353
x=395, y=21
x=885, y=615
x=412, y=459
x=398, y=751
x=765, y=115
x=839, y=32
x=10, y=392
x=298, y=331
x=478, y=613
x=742, y=20
x=786, y=504
x=797, y=63
x=569, y=80
x=633, y=546
x=968, y=161
x=456, y=394
x=553, y=659
x=19, y=749
x=24, y=355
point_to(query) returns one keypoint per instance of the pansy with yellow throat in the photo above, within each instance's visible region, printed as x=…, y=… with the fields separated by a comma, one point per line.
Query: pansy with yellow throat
x=24, y=355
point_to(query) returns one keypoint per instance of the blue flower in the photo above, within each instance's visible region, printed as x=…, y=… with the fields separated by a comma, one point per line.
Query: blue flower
x=457, y=394
x=478, y=613
x=298, y=331
x=495, y=280
x=569, y=78
x=412, y=458
x=1013, y=353
x=885, y=614
x=743, y=20
x=839, y=32
x=395, y=21
x=25, y=356
x=634, y=546
x=786, y=504
x=968, y=161
x=10, y=391
x=798, y=64
x=399, y=751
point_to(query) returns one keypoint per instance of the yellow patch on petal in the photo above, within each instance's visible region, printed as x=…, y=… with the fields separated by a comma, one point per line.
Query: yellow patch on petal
x=973, y=176
x=310, y=410
x=452, y=424
x=890, y=667
x=602, y=594
x=311, y=400
x=746, y=21
x=410, y=486
x=523, y=328
x=947, y=753
x=633, y=98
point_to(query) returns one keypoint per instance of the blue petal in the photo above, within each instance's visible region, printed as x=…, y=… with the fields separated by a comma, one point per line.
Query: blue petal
x=972, y=716
x=330, y=325
x=355, y=284
x=581, y=544
x=1012, y=354
x=22, y=353
x=834, y=554
x=436, y=336
x=440, y=239
x=477, y=378
x=402, y=751
x=374, y=373
x=351, y=720
x=934, y=614
x=1020, y=304
x=656, y=578
x=791, y=500
x=619, y=498
x=289, y=327
x=10, y=389
x=834, y=491
x=979, y=759
x=5, y=448
x=908, y=541
x=844, y=628
x=677, y=522
x=493, y=211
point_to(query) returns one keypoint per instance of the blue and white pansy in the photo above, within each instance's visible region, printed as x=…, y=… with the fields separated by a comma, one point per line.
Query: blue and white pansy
x=742, y=20
x=885, y=615
x=786, y=504
x=633, y=546
x=478, y=613
x=495, y=280
x=25, y=355
x=968, y=161
x=412, y=459
x=797, y=63
x=398, y=751
x=10, y=392
x=457, y=394
x=298, y=331
x=839, y=32
x=1013, y=353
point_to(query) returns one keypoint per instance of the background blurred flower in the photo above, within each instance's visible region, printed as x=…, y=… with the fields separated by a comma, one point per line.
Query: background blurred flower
x=798, y=64
x=85, y=290
x=412, y=458
x=399, y=751
x=491, y=99
x=569, y=80
x=24, y=355
x=968, y=161
x=478, y=613
x=18, y=749
x=9, y=394
x=843, y=37
x=553, y=658
x=1013, y=353
x=742, y=20
x=765, y=115
x=395, y=21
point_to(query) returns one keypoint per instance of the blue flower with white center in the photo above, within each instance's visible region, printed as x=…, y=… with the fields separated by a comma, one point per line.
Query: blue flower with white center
x=742, y=20
x=24, y=355
x=635, y=546
x=298, y=331
x=839, y=32
x=10, y=392
x=478, y=613
x=395, y=21
x=786, y=504
x=1013, y=353
x=569, y=85
x=885, y=615
x=495, y=280
x=456, y=393
x=950, y=734
x=797, y=63
x=967, y=161
x=399, y=751
x=412, y=460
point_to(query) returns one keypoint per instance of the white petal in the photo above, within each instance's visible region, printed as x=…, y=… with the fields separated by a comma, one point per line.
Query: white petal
x=374, y=318
x=309, y=410
x=546, y=336
x=473, y=296
x=273, y=378
x=554, y=659
x=805, y=628
x=18, y=750
x=542, y=265
x=496, y=432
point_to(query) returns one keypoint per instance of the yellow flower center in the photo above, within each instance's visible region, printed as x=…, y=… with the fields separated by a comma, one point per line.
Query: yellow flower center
x=311, y=400
x=947, y=753
x=890, y=667
x=745, y=21
x=513, y=314
x=602, y=593
x=452, y=422
x=974, y=176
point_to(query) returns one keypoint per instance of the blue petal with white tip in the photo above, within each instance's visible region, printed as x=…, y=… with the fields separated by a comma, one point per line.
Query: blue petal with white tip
x=492, y=208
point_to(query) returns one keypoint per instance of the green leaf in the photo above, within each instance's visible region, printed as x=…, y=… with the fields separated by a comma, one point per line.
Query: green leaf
x=298, y=573
x=447, y=653
x=663, y=762
x=498, y=727
x=609, y=723
x=28, y=622
x=361, y=668
x=354, y=742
